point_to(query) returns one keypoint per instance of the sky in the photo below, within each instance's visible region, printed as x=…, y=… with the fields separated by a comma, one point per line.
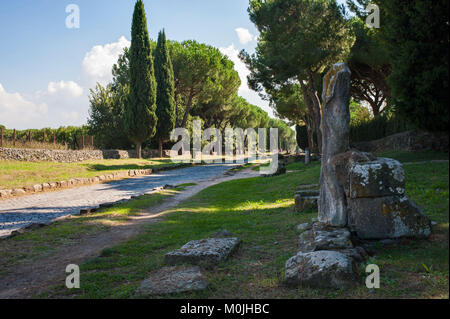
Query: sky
x=47, y=69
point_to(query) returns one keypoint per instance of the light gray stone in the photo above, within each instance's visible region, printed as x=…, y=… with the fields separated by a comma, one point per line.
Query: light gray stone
x=382, y=177
x=305, y=202
x=320, y=269
x=308, y=187
x=324, y=238
x=18, y=192
x=308, y=192
x=206, y=251
x=37, y=188
x=387, y=217
x=303, y=227
x=170, y=280
x=335, y=140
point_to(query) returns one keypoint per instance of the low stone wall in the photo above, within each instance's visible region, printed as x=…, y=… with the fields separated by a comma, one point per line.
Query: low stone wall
x=76, y=182
x=407, y=141
x=69, y=156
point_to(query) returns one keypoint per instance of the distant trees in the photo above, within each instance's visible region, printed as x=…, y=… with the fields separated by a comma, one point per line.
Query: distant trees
x=140, y=117
x=165, y=97
x=191, y=81
x=107, y=107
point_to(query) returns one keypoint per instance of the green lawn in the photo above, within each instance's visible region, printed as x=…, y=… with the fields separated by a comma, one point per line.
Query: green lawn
x=15, y=174
x=259, y=210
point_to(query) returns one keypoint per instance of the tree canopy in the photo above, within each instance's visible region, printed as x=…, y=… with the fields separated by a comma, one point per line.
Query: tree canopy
x=299, y=39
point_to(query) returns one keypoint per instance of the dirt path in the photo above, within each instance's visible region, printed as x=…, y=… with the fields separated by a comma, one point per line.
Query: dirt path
x=29, y=279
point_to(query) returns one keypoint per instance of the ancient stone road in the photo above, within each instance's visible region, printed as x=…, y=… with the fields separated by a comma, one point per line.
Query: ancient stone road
x=20, y=212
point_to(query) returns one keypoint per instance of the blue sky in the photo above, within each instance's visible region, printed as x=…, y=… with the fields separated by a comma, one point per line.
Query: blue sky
x=46, y=69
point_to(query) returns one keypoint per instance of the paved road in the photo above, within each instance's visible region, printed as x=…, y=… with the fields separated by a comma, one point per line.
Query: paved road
x=20, y=212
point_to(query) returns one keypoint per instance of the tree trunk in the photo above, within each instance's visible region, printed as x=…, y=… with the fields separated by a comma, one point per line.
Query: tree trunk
x=188, y=108
x=315, y=122
x=139, y=150
x=160, y=148
x=317, y=110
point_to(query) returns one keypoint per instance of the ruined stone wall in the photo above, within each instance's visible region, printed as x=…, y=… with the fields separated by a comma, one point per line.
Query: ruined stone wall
x=69, y=156
x=407, y=141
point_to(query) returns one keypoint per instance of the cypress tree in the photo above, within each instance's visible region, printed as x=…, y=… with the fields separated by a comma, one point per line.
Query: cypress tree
x=165, y=96
x=140, y=117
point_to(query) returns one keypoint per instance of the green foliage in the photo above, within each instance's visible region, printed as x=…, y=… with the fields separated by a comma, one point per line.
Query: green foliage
x=297, y=36
x=165, y=98
x=69, y=136
x=369, y=64
x=358, y=113
x=140, y=117
x=378, y=127
x=286, y=136
x=107, y=108
x=416, y=36
x=218, y=109
x=106, y=117
x=299, y=40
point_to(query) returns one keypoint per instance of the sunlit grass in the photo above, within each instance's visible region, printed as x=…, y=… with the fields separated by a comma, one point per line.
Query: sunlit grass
x=15, y=174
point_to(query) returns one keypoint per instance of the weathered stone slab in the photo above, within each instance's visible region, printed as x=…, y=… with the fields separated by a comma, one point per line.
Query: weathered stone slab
x=205, y=251
x=324, y=239
x=169, y=280
x=320, y=269
x=303, y=227
x=383, y=177
x=307, y=187
x=308, y=192
x=305, y=202
x=387, y=217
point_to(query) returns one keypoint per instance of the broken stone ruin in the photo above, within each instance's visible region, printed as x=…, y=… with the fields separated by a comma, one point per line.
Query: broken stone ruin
x=184, y=266
x=361, y=198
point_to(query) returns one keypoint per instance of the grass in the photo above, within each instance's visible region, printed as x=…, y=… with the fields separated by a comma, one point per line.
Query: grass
x=15, y=174
x=260, y=211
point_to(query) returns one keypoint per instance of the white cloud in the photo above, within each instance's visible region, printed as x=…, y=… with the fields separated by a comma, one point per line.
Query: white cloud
x=18, y=112
x=69, y=88
x=98, y=62
x=244, y=35
x=251, y=96
x=62, y=103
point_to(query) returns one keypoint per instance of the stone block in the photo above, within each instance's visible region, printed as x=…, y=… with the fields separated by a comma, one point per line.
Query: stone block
x=206, y=251
x=321, y=269
x=387, y=217
x=382, y=177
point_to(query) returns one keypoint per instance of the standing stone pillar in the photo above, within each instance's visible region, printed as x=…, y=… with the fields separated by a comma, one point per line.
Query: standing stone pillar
x=335, y=128
x=307, y=156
